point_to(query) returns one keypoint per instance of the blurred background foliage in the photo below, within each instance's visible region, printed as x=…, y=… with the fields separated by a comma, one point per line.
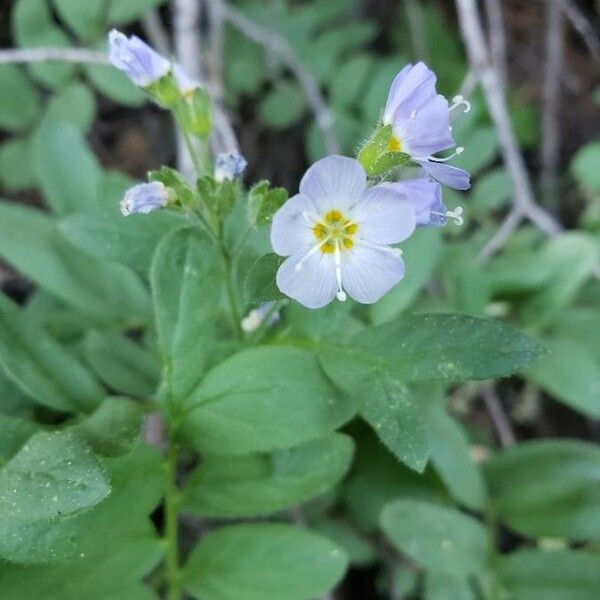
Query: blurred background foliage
x=74, y=137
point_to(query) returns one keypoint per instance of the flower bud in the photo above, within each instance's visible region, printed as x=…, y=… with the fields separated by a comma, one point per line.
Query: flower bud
x=136, y=59
x=229, y=165
x=145, y=198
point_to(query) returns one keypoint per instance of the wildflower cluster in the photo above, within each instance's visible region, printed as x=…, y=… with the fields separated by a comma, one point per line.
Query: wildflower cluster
x=339, y=234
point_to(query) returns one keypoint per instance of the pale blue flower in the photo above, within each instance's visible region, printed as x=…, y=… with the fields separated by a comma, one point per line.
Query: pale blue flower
x=136, y=59
x=420, y=121
x=229, y=165
x=425, y=196
x=337, y=235
x=144, y=198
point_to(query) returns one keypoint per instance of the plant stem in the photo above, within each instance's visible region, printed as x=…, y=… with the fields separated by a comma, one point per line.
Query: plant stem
x=171, y=536
x=229, y=263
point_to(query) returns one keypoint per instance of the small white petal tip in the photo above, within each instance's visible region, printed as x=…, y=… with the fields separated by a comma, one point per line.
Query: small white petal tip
x=341, y=296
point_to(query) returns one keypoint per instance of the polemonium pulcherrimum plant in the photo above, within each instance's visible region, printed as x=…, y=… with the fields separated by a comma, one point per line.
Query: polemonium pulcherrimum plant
x=255, y=386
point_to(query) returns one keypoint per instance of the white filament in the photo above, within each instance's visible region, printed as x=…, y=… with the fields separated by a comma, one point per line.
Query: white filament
x=459, y=101
x=340, y=294
x=455, y=214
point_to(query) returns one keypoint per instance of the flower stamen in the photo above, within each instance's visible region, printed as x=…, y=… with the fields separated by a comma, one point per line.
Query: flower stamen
x=340, y=294
x=455, y=214
x=458, y=102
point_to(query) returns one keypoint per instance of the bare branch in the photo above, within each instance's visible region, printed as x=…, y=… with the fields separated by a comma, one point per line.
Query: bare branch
x=279, y=45
x=583, y=26
x=499, y=418
x=524, y=201
x=550, y=149
x=414, y=14
x=68, y=55
x=188, y=50
x=156, y=33
x=497, y=37
x=497, y=241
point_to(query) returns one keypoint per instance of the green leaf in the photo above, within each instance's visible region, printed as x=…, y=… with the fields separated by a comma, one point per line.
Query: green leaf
x=422, y=252
x=15, y=432
x=19, y=101
x=259, y=484
x=112, y=576
x=67, y=171
x=114, y=427
x=16, y=172
x=570, y=373
x=445, y=586
x=261, y=399
x=124, y=12
x=548, y=489
x=491, y=191
x=347, y=85
x=54, y=474
x=33, y=26
x=75, y=104
x=549, y=575
x=31, y=242
x=260, y=285
x=431, y=347
x=264, y=202
x=122, y=364
x=377, y=477
x=84, y=19
x=440, y=539
x=114, y=85
x=186, y=285
x=137, y=481
x=452, y=460
x=263, y=562
x=283, y=105
x=398, y=415
x=585, y=166
x=358, y=548
x=573, y=257
x=581, y=325
x=481, y=147
x=40, y=366
x=129, y=241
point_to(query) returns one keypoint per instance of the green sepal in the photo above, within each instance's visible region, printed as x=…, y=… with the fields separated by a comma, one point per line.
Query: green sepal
x=165, y=92
x=375, y=157
x=218, y=197
x=263, y=202
x=195, y=113
x=173, y=180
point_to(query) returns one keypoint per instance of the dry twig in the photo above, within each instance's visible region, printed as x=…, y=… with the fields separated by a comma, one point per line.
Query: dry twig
x=499, y=418
x=550, y=149
x=479, y=58
x=68, y=55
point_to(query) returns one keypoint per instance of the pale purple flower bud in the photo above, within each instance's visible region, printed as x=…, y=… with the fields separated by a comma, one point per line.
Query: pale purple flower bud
x=144, y=198
x=136, y=59
x=420, y=121
x=229, y=165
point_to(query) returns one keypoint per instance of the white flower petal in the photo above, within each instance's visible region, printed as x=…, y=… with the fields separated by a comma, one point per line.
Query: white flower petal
x=313, y=284
x=334, y=182
x=370, y=272
x=453, y=177
x=382, y=217
x=291, y=230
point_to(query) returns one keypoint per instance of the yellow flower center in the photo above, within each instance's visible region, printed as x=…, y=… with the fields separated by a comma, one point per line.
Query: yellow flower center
x=334, y=229
x=394, y=145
